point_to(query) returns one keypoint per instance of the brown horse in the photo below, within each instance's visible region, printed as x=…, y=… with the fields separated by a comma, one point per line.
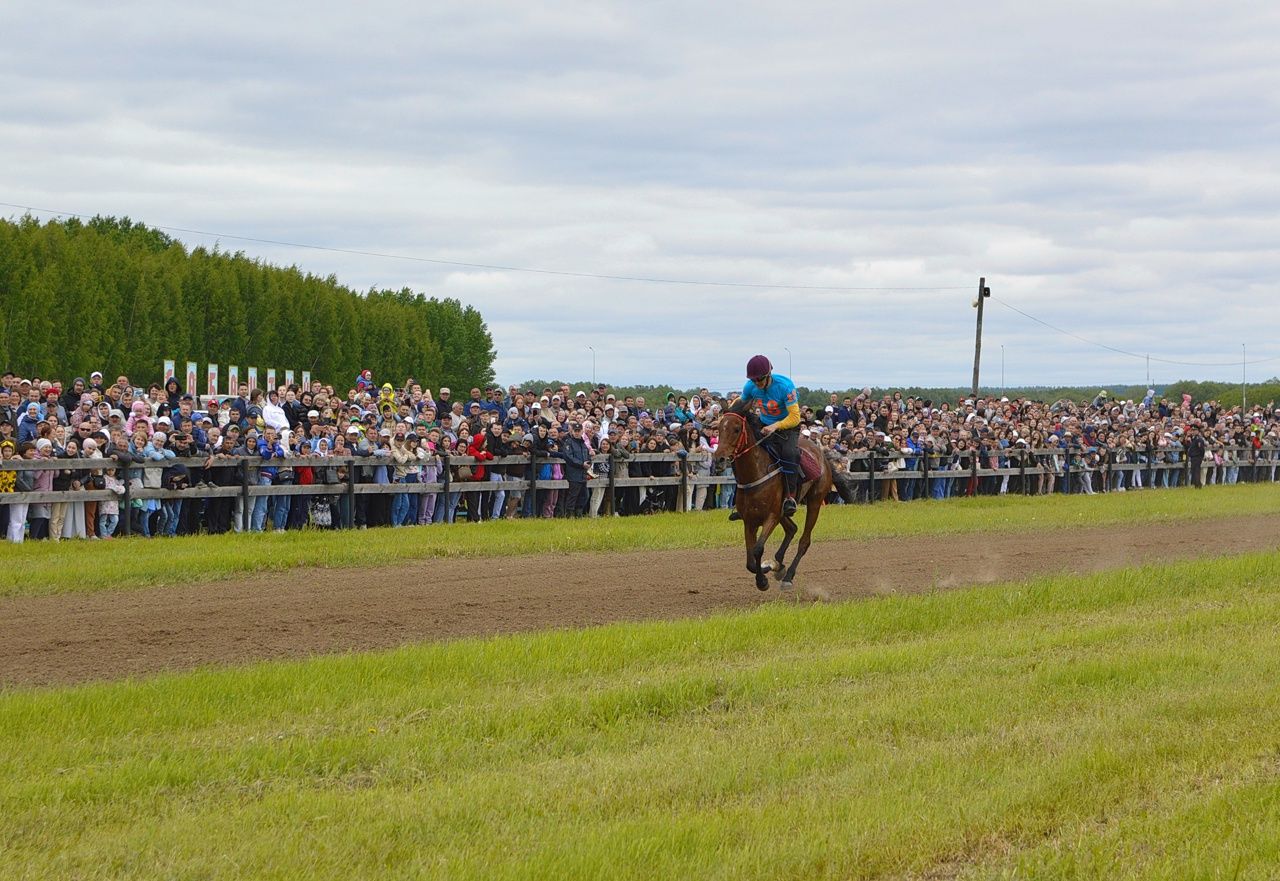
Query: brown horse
x=759, y=497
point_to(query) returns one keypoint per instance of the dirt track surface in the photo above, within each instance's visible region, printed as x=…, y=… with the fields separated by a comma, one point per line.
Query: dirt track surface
x=76, y=638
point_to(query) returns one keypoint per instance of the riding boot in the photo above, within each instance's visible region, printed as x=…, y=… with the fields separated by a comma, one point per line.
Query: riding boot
x=789, y=503
x=735, y=515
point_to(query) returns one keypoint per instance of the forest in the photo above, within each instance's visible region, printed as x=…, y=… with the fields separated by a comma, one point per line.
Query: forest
x=113, y=295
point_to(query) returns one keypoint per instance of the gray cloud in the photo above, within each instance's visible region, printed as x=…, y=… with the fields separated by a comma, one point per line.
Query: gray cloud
x=1110, y=169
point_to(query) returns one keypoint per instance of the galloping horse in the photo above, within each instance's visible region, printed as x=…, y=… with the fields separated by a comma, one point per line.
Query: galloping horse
x=759, y=497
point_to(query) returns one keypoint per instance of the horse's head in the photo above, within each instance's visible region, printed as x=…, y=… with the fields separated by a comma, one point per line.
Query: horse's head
x=735, y=434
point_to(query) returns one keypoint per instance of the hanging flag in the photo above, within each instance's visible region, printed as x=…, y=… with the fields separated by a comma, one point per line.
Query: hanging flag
x=233, y=380
x=193, y=387
x=288, y=377
x=170, y=370
x=306, y=380
x=271, y=378
x=212, y=390
x=253, y=377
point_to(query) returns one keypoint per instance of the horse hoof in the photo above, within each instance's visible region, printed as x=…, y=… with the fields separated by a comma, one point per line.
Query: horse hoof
x=765, y=567
x=762, y=584
x=780, y=573
x=785, y=586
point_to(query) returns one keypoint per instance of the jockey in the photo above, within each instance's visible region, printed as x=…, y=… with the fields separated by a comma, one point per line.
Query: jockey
x=780, y=413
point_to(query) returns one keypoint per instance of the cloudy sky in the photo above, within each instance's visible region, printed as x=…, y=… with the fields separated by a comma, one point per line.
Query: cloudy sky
x=1111, y=168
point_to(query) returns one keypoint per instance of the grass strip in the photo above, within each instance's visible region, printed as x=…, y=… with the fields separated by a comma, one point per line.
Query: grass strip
x=35, y=568
x=1118, y=726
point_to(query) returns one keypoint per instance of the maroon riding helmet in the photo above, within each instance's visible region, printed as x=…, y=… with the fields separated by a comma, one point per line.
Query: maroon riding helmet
x=758, y=368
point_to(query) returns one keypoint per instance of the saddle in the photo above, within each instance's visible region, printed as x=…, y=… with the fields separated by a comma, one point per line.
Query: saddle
x=810, y=465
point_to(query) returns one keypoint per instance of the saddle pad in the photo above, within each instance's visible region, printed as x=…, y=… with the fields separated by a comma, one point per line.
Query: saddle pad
x=810, y=467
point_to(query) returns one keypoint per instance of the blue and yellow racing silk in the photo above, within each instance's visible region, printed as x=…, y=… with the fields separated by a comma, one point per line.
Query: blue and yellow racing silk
x=777, y=403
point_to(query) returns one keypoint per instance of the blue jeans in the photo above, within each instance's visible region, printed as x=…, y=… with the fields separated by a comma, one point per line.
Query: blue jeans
x=447, y=507
x=107, y=525
x=399, y=507
x=280, y=509
x=170, y=514
x=258, y=518
x=499, y=497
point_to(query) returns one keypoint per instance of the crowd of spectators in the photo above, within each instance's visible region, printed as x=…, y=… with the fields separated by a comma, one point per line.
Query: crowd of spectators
x=410, y=434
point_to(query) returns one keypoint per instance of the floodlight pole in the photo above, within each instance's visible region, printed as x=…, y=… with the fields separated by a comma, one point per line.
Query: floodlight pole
x=593, y=364
x=983, y=293
x=790, y=374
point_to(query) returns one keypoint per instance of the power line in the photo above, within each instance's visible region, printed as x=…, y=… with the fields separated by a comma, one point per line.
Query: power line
x=496, y=267
x=1118, y=351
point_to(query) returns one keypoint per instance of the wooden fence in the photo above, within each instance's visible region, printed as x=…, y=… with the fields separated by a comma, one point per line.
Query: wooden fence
x=868, y=468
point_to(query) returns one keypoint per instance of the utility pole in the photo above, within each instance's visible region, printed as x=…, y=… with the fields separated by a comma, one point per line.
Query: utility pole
x=791, y=376
x=1244, y=362
x=1002, y=370
x=593, y=364
x=983, y=293
x=1148, y=371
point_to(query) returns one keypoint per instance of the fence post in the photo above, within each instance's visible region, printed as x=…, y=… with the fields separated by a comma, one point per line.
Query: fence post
x=1151, y=461
x=350, y=520
x=924, y=490
x=245, y=507
x=975, y=459
x=1186, y=469
x=1022, y=470
x=126, y=502
x=871, y=476
x=533, y=480
x=1106, y=481
x=683, y=503
x=1067, y=468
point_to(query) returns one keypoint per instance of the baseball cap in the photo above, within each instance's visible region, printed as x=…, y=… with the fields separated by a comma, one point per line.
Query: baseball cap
x=353, y=430
x=386, y=432
x=311, y=413
x=445, y=391
x=581, y=394
x=512, y=411
x=527, y=438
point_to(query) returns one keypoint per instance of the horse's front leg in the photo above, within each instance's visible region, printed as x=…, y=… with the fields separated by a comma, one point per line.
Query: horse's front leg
x=766, y=528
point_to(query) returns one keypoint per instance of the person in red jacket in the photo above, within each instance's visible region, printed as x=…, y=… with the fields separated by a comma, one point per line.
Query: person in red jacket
x=478, y=502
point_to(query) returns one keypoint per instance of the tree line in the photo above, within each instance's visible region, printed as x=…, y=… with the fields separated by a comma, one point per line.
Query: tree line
x=113, y=295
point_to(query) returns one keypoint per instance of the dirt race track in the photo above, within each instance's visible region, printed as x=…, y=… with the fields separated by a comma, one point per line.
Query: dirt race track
x=75, y=638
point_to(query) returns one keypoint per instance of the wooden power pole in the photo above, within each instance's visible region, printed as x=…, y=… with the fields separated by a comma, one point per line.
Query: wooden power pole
x=983, y=293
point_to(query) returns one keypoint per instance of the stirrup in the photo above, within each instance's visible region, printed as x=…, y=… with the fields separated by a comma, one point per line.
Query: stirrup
x=788, y=506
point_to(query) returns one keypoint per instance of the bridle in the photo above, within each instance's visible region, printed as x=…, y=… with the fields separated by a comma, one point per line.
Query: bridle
x=746, y=440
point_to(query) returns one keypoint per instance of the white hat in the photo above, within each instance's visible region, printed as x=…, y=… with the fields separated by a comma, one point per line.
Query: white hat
x=311, y=413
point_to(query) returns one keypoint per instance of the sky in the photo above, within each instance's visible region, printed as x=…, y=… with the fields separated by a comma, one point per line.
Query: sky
x=1110, y=168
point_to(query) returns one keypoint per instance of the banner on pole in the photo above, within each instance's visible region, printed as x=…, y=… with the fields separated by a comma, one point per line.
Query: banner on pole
x=253, y=378
x=170, y=371
x=233, y=380
x=288, y=377
x=212, y=389
x=193, y=386
x=306, y=380
x=271, y=379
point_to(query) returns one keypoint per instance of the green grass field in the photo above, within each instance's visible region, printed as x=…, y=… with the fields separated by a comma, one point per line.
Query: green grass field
x=1125, y=725
x=43, y=567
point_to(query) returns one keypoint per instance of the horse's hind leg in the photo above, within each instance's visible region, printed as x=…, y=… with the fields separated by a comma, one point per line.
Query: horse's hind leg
x=789, y=528
x=812, y=510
